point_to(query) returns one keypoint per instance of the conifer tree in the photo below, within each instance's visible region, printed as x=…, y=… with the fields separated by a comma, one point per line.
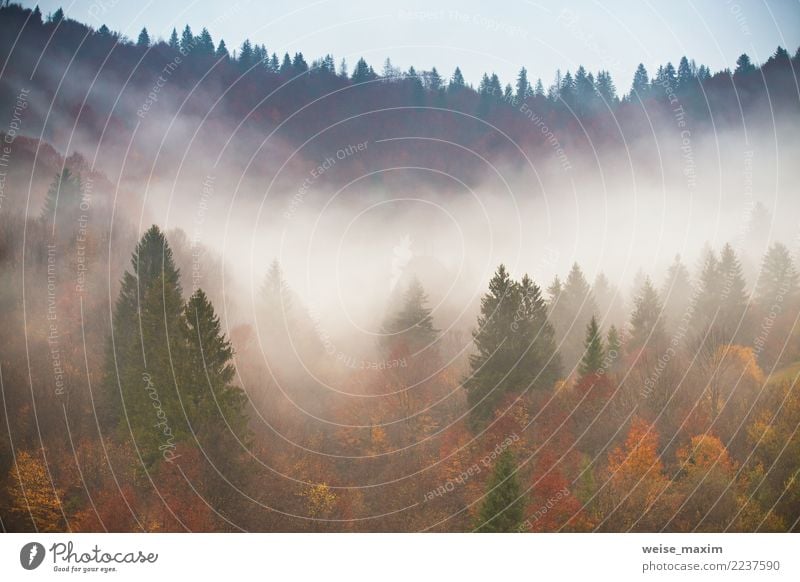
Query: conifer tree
x=412, y=326
x=733, y=305
x=503, y=508
x=214, y=405
x=174, y=43
x=515, y=345
x=492, y=367
x=646, y=321
x=677, y=293
x=778, y=279
x=641, y=83
x=205, y=45
x=523, y=86
x=594, y=352
x=144, y=39
x=222, y=50
x=146, y=356
x=187, y=40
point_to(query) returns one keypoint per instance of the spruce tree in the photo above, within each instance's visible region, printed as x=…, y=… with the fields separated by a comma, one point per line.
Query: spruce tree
x=571, y=314
x=778, y=279
x=641, y=83
x=492, y=367
x=205, y=44
x=677, y=293
x=144, y=39
x=732, y=319
x=187, y=40
x=502, y=510
x=594, y=352
x=457, y=81
x=222, y=50
x=215, y=407
x=515, y=346
x=523, y=86
x=146, y=356
x=174, y=43
x=647, y=328
x=412, y=326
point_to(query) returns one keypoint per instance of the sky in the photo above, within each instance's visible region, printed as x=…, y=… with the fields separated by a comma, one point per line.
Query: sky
x=477, y=36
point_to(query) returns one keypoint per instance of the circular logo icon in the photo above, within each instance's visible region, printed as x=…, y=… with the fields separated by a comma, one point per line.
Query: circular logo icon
x=31, y=555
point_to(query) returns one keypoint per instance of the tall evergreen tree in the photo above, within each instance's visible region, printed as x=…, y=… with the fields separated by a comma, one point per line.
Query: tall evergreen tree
x=733, y=306
x=215, y=407
x=457, y=81
x=515, y=346
x=778, y=280
x=147, y=353
x=299, y=64
x=174, y=43
x=647, y=328
x=594, y=352
x=523, y=86
x=246, y=55
x=205, y=44
x=503, y=508
x=144, y=39
x=743, y=66
x=571, y=314
x=412, y=326
x=222, y=50
x=685, y=74
x=187, y=40
x=677, y=293
x=641, y=83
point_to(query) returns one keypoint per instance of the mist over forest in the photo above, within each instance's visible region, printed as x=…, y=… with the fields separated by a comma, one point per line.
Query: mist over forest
x=250, y=292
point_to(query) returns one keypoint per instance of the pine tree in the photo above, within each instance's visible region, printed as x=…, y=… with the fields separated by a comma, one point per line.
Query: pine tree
x=246, y=55
x=641, y=83
x=571, y=315
x=286, y=65
x=493, y=365
x=594, y=353
x=361, y=73
x=523, y=86
x=144, y=39
x=412, y=326
x=677, y=293
x=503, y=506
x=174, y=43
x=457, y=81
x=205, y=45
x=709, y=295
x=778, y=279
x=647, y=329
x=299, y=63
x=606, y=89
x=146, y=356
x=515, y=346
x=733, y=305
x=685, y=74
x=222, y=50
x=187, y=40
x=215, y=407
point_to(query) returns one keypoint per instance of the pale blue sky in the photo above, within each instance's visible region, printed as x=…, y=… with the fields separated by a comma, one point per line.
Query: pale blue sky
x=542, y=35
